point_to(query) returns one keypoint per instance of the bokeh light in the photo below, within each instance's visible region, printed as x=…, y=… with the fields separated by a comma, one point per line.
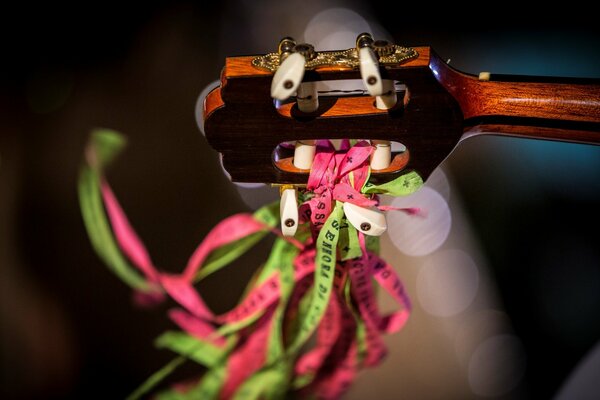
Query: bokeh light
x=496, y=366
x=583, y=383
x=335, y=28
x=447, y=283
x=415, y=235
x=475, y=327
x=199, y=108
x=439, y=182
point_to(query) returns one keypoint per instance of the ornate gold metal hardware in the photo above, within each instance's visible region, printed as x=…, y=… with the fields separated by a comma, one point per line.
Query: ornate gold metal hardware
x=339, y=58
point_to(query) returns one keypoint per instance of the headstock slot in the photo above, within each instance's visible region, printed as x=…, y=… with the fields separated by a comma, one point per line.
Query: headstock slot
x=335, y=103
x=283, y=157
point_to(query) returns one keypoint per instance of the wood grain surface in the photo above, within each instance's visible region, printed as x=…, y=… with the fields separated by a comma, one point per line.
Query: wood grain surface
x=440, y=105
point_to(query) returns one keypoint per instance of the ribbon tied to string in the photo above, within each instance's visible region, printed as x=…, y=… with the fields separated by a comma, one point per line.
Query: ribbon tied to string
x=308, y=285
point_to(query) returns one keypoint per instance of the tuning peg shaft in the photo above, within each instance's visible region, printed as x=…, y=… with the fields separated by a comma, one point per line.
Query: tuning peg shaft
x=307, y=97
x=383, y=90
x=287, y=81
x=304, y=153
x=388, y=98
x=381, y=157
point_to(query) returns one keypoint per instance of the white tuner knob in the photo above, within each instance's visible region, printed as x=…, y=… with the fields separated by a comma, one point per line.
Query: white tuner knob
x=369, y=71
x=288, y=209
x=367, y=220
x=288, y=77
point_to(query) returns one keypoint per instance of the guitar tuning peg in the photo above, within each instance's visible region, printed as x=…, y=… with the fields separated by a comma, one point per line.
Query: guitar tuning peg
x=286, y=81
x=369, y=65
x=367, y=220
x=288, y=77
x=288, y=210
x=369, y=52
x=383, y=90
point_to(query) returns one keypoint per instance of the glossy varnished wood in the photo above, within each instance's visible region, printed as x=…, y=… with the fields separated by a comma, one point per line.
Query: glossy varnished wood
x=562, y=109
x=331, y=107
x=212, y=102
x=244, y=125
x=285, y=162
x=236, y=67
x=519, y=99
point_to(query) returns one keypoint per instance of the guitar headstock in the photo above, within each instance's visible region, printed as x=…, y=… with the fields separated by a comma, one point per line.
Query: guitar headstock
x=270, y=110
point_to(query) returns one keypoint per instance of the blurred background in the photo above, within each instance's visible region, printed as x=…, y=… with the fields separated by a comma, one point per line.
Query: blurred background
x=504, y=274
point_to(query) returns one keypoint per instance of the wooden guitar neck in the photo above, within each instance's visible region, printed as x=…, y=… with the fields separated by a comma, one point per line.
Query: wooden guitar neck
x=566, y=109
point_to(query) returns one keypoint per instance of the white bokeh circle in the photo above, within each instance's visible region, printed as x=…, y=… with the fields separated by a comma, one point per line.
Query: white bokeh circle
x=447, y=283
x=420, y=235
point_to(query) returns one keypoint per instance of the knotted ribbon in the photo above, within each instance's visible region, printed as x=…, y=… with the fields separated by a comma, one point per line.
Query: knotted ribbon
x=308, y=286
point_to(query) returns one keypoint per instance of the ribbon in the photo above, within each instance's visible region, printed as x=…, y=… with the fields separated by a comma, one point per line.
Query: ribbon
x=310, y=285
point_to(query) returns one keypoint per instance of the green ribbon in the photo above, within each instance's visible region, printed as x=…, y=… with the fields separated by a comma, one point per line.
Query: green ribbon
x=401, y=186
x=103, y=147
x=273, y=380
x=199, y=351
x=324, y=272
x=225, y=255
x=156, y=378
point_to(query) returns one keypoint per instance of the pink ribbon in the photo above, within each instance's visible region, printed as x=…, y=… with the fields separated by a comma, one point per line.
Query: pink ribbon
x=334, y=361
x=330, y=180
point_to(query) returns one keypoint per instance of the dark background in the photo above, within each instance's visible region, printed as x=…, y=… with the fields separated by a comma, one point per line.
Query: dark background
x=67, y=327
